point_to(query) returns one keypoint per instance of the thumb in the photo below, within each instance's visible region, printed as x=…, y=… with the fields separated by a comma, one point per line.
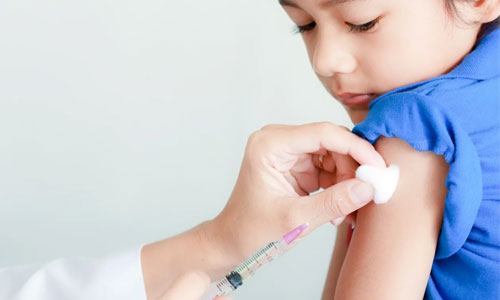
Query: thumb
x=337, y=201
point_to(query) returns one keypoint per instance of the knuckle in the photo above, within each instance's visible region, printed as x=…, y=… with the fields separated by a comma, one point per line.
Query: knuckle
x=335, y=206
x=326, y=126
x=254, y=138
x=262, y=135
x=344, y=128
x=254, y=145
x=269, y=127
x=257, y=138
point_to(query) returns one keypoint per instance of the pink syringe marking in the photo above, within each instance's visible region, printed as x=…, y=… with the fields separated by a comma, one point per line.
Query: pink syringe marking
x=295, y=233
x=248, y=268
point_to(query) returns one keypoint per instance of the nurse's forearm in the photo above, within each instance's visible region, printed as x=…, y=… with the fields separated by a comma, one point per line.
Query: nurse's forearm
x=196, y=249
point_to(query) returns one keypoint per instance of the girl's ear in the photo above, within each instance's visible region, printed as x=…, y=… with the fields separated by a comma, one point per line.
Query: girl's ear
x=489, y=10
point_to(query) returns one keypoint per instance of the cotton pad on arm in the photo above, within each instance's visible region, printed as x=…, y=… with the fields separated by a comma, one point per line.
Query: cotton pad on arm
x=384, y=180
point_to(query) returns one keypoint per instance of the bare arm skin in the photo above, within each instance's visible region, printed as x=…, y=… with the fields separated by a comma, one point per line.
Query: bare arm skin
x=393, y=245
x=338, y=257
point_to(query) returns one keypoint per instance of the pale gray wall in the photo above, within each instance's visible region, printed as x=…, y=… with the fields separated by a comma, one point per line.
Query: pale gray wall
x=123, y=122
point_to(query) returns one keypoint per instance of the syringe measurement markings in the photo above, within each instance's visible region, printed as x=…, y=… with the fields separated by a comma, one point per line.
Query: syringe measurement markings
x=221, y=284
x=255, y=258
x=252, y=264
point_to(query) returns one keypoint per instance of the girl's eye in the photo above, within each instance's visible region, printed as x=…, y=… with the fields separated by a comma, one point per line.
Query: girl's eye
x=304, y=28
x=363, y=27
x=352, y=27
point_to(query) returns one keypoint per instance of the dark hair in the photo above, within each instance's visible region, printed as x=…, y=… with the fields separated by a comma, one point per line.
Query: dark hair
x=485, y=28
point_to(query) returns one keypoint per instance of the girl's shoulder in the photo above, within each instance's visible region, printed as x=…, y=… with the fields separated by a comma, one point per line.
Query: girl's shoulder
x=427, y=125
x=395, y=242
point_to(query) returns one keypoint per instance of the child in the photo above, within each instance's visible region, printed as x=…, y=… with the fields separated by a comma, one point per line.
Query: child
x=420, y=79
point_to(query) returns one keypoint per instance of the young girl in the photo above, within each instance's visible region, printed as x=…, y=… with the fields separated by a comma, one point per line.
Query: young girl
x=420, y=79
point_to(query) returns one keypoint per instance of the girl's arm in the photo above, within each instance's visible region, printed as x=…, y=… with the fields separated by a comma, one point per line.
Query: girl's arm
x=338, y=256
x=392, y=249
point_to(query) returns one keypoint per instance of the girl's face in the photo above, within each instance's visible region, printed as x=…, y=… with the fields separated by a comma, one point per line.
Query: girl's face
x=360, y=49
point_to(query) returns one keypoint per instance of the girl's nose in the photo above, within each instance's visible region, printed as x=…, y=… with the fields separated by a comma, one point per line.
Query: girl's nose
x=331, y=55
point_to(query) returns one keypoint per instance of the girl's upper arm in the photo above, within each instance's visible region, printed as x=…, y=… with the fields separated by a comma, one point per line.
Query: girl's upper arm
x=393, y=245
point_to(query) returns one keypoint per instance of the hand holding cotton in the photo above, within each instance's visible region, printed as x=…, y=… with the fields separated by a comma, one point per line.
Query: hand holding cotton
x=384, y=180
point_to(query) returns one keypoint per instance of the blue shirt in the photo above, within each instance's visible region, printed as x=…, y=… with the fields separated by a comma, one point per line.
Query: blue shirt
x=456, y=115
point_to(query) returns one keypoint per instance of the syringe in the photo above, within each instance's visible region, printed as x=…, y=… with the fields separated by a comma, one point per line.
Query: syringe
x=248, y=268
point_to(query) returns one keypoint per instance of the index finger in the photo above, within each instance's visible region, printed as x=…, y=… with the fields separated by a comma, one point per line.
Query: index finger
x=313, y=137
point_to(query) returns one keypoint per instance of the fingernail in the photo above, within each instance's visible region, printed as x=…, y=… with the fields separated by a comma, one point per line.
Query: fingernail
x=361, y=193
x=377, y=158
x=337, y=221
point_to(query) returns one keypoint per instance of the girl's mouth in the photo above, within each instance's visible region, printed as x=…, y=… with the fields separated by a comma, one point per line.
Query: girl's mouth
x=350, y=99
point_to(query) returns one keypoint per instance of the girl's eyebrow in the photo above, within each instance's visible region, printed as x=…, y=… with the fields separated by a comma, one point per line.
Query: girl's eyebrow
x=324, y=4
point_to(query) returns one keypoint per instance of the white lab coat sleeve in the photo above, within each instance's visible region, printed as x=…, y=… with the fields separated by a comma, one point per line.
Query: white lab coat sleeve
x=115, y=277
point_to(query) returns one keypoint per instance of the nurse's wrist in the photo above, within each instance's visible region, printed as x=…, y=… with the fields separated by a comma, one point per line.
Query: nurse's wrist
x=220, y=245
x=201, y=248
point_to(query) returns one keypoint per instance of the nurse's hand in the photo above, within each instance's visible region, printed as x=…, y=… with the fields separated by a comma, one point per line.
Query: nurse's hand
x=190, y=286
x=280, y=170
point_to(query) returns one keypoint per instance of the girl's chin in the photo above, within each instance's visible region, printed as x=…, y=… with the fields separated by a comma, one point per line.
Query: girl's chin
x=357, y=114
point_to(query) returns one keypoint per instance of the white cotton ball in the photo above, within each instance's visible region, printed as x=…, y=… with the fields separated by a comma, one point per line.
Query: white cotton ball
x=384, y=180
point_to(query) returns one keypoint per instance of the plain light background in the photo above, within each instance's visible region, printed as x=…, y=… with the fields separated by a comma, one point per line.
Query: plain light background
x=125, y=122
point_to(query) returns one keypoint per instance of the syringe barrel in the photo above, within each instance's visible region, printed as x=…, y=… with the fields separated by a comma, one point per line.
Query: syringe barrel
x=246, y=269
x=221, y=288
x=267, y=254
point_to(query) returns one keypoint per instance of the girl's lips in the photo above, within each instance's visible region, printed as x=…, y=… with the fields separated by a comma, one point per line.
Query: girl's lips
x=349, y=99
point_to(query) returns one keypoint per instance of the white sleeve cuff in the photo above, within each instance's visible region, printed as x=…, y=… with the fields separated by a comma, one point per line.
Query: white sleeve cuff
x=115, y=277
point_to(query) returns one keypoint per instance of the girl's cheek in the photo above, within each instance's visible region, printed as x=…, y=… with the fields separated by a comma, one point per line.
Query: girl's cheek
x=310, y=46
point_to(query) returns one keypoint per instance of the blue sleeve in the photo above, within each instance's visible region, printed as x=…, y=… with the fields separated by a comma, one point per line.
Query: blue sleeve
x=424, y=124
